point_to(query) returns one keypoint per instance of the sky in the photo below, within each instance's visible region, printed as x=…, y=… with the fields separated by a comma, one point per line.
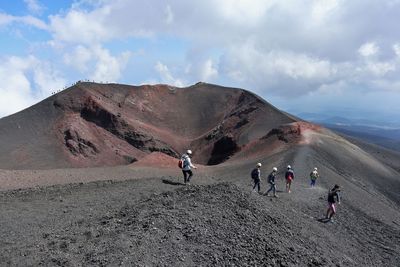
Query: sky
x=331, y=57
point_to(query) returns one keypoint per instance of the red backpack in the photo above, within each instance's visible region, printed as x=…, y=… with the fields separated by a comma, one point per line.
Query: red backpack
x=289, y=175
x=180, y=164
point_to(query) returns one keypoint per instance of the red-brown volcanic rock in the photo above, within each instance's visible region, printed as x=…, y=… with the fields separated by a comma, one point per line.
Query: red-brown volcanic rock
x=157, y=159
x=93, y=124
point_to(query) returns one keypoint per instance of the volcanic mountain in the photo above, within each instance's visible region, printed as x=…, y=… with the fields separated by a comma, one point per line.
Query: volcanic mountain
x=93, y=124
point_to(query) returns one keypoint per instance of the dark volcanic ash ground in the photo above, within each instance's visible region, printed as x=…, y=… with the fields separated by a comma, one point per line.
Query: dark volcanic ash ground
x=118, y=224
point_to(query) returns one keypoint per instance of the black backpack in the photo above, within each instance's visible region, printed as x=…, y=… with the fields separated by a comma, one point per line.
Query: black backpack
x=254, y=174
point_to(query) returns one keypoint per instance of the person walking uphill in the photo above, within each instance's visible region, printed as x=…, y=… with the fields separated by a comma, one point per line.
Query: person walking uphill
x=333, y=196
x=313, y=176
x=187, y=167
x=289, y=176
x=271, y=181
x=256, y=176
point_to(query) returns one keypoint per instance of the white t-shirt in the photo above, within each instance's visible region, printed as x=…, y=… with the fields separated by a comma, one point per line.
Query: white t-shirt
x=187, y=163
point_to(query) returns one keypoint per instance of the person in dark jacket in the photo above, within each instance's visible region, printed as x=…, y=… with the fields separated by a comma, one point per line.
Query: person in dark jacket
x=289, y=176
x=333, y=197
x=271, y=181
x=256, y=176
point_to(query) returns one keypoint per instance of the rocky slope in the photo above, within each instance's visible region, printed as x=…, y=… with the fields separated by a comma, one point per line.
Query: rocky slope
x=119, y=224
x=93, y=124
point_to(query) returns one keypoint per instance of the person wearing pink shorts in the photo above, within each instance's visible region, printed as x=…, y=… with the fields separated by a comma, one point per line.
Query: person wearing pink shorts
x=289, y=176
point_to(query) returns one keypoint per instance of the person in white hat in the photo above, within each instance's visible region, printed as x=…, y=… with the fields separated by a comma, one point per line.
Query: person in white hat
x=256, y=176
x=271, y=181
x=187, y=167
x=313, y=176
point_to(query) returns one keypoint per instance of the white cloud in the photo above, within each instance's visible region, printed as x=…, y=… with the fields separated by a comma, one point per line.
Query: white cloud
x=6, y=19
x=276, y=69
x=18, y=91
x=33, y=22
x=81, y=27
x=285, y=73
x=371, y=67
x=79, y=58
x=82, y=4
x=97, y=63
x=389, y=86
x=380, y=68
x=299, y=66
x=109, y=20
x=124, y=18
x=15, y=87
x=166, y=76
x=336, y=88
x=199, y=68
x=396, y=49
x=46, y=80
x=240, y=11
x=321, y=9
x=169, y=15
x=108, y=68
x=368, y=49
x=34, y=6
x=285, y=25
x=208, y=71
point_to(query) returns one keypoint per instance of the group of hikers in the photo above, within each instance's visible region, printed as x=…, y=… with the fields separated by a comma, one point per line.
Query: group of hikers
x=289, y=177
x=256, y=176
x=333, y=195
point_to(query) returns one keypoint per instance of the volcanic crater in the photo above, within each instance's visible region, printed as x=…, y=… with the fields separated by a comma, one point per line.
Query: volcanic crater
x=92, y=124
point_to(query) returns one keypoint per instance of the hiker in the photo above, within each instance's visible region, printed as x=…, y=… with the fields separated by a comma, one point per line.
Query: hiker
x=289, y=176
x=187, y=167
x=271, y=181
x=256, y=176
x=313, y=176
x=333, y=196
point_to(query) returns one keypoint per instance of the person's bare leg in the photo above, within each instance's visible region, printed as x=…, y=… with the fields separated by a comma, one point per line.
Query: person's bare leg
x=332, y=213
x=327, y=213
